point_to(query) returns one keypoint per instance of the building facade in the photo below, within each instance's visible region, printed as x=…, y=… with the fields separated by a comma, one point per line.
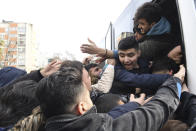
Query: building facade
x=18, y=47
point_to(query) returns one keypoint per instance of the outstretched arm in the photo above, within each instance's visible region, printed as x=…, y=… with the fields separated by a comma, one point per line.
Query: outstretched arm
x=91, y=48
x=37, y=75
x=149, y=81
x=133, y=104
x=152, y=115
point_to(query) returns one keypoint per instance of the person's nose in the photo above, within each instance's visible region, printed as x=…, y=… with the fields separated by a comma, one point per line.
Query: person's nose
x=127, y=59
x=139, y=25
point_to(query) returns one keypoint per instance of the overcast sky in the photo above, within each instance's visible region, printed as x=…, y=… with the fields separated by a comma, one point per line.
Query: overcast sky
x=64, y=24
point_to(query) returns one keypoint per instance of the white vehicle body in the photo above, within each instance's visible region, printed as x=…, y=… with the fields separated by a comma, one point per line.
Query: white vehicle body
x=187, y=13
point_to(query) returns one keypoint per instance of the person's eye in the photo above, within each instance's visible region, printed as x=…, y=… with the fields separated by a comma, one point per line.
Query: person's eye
x=121, y=55
x=131, y=55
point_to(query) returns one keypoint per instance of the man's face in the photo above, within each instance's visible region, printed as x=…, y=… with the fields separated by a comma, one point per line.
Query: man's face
x=84, y=101
x=87, y=99
x=144, y=25
x=128, y=58
x=138, y=36
x=95, y=71
x=86, y=79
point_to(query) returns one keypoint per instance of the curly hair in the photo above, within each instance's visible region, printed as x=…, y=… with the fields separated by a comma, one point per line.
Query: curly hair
x=149, y=11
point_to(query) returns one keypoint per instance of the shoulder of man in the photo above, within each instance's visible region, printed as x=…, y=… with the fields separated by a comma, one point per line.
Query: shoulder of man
x=166, y=37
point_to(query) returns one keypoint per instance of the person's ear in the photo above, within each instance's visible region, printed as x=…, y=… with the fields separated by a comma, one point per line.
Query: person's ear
x=171, y=72
x=139, y=53
x=81, y=108
x=152, y=24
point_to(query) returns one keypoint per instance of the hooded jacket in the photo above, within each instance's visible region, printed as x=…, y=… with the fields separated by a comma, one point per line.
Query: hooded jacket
x=149, y=117
x=157, y=42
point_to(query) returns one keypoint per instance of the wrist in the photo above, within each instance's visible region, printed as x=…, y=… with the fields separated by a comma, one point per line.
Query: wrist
x=101, y=52
x=42, y=72
x=39, y=74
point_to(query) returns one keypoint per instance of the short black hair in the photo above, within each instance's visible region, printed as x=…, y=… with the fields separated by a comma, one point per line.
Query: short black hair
x=75, y=64
x=17, y=101
x=128, y=43
x=106, y=102
x=59, y=92
x=164, y=63
x=89, y=66
x=149, y=11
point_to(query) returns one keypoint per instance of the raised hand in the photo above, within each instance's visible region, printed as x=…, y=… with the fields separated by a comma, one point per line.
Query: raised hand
x=91, y=48
x=51, y=68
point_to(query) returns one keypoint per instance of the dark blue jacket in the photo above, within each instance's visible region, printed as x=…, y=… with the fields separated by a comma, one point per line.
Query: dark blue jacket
x=9, y=74
x=137, y=78
x=122, y=109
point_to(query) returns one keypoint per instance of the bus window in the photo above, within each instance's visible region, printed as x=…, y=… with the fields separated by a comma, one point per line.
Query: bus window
x=108, y=38
x=195, y=3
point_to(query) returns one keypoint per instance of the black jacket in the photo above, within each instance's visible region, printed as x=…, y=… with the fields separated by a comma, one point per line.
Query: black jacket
x=149, y=117
x=186, y=111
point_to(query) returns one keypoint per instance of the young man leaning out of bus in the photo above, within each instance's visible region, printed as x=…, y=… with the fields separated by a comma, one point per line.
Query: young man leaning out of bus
x=72, y=108
x=131, y=69
x=157, y=41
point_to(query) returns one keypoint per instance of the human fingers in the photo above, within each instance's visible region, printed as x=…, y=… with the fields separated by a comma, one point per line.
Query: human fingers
x=182, y=70
x=90, y=41
x=142, y=96
x=84, y=45
x=181, y=73
x=147, y=100
x=132, y=97
x=58, y=65
x=184, y=87
x=53, y=62
x=85, y=49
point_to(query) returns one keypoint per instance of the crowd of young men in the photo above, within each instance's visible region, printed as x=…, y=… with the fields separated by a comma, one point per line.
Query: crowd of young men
x=139, y=90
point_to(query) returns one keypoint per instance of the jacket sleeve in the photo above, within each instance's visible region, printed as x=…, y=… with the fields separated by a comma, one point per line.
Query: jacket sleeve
x=115, y=52
x=34, y=75
x=152, y=115
x=105, y=83
x=122, y=109
x=150, y=81
x=186, y=112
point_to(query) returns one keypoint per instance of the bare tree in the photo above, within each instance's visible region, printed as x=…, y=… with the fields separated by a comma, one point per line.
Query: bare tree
x=69, y=55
